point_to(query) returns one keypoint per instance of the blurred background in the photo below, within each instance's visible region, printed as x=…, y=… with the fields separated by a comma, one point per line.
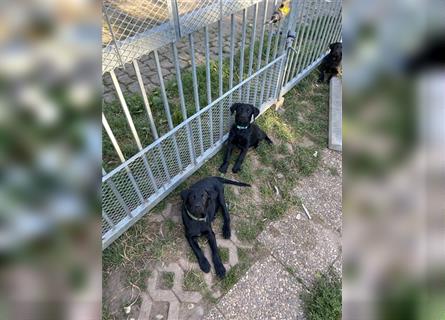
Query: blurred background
x=394, y=139
x=50, y=149
x=394, y=160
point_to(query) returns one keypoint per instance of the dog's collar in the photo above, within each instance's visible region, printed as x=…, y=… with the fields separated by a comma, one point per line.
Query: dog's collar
x=193, y=217
x=241, y=127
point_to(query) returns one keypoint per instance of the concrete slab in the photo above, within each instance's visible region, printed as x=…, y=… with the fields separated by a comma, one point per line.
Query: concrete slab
x=267, y=291
x=301, y=244
x=214, y=314
x=335, y=114
x=321, y=193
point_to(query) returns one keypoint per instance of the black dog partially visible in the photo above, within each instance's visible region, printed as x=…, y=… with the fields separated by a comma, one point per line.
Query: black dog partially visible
x=243, y=134
x=330, y=66
x=199, y=206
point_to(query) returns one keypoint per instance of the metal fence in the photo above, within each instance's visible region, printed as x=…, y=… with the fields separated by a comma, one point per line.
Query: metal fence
x=262, y=63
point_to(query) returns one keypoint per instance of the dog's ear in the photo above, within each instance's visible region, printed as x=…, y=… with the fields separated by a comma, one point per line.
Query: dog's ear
x=184, y=194
x=332, y=45
x=255, y=112
x=234, y=107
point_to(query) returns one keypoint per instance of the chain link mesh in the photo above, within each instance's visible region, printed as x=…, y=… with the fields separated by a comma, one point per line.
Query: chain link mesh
x=131, y=29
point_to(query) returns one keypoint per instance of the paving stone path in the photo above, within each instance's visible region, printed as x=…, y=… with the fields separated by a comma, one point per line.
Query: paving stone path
x=297, y=247
x=177, y=303
x=127, y=77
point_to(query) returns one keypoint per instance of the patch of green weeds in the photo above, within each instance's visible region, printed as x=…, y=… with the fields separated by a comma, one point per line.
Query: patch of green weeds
x=324, y=299
x=112, y=255
x=193, y=281
x=223, y=254
x=236, y=272
x=273, y=211
x=249, y=229
x=167, y=280
x=307, y=160
x=271, y=121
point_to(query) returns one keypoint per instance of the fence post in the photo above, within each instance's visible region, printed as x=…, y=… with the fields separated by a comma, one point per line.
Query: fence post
x=288, y=39
x=174, y=17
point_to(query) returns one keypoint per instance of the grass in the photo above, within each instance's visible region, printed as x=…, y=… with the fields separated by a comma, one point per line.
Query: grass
x=117, y=120
x=193, y=281
x=223, y=254
x=236, y=272
x=305, y=116
x=323, y=299
x=167, y=280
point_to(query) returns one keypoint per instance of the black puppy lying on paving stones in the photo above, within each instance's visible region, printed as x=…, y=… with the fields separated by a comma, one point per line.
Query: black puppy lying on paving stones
x=199, y=206
x=243, y=134
x=330, y=66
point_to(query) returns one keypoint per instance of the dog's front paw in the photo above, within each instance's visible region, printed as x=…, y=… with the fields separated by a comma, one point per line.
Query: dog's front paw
x=220, y=270
x=204, y=265
x=226, y=232
x=236, y=169
x=223, y=168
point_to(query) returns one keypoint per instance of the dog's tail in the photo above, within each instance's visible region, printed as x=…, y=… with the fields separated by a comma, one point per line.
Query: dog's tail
x=269, y=141
x=236, y=183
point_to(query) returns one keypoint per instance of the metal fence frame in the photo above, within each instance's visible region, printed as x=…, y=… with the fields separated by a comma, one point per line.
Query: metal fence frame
x=294, y=47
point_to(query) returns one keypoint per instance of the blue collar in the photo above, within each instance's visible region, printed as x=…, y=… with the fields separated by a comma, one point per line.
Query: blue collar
x=241, y=127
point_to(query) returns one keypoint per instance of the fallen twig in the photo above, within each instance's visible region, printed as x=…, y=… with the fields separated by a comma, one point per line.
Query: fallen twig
x=306, y=211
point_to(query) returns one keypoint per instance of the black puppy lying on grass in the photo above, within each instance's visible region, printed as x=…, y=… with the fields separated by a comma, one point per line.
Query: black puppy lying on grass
x=330, y=66
x=243, y=135
x=199, y=206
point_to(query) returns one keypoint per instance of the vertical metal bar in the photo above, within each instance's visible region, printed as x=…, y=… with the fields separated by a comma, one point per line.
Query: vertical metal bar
x=339, y=25
x=291, y=22
x=304, y=34
x=293, y=54
x=305, y=42
x=174, y=17
x=265, y=73
x=182, y=102
x=108, y=220
x=163, y=92
x=315, y=40
x=125, y=109
x=311, y=37
x=220, y=70
x=243, y=41
x=334, y=28
x=209, y=92
x=260, y=50
x=321, y=48
x=167, y=107
x=207, y=55
x=277, y=39
x=252, y=48
x=279, y=78
x=151, y=121
x=195, y=89
x=121, y=156
x=119, y=198
x=131, y=124
x=232, y=53
x=116, y=47
x=274, y=55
